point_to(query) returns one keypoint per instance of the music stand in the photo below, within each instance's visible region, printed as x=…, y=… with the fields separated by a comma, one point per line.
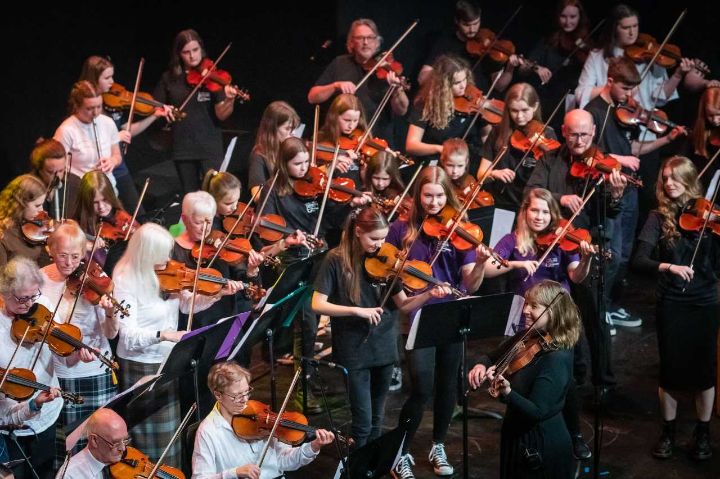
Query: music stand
x=273, y=317
x=473, y=317
x=376, y=458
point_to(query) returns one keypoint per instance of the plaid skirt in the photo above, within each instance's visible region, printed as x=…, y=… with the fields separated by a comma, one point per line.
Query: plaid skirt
x=161, y=415
x=96, y=391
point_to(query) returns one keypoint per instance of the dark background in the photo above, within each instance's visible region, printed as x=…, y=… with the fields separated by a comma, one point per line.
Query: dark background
x=272, y=43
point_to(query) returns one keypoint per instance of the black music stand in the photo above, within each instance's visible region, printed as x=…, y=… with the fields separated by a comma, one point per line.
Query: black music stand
x=264, y=326
x=376, y=458
x=474, y=317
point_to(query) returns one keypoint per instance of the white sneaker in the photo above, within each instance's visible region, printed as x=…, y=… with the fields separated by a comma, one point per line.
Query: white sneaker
x=627, y=320
x=439, y=460
x=396, y=379
x=403, y=469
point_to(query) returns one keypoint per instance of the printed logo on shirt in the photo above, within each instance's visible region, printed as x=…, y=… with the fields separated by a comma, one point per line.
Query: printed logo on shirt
x=529, y=162
x=203, y=96
x=312, y=207
x=552, y=262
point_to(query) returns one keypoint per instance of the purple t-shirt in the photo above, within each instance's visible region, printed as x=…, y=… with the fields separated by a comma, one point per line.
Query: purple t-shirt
x=554, y=267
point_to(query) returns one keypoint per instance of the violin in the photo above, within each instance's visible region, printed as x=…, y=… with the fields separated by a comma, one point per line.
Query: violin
x=598, y=163
x=175, y=277
x=119, y=98
x=520, y=355
x=486, y=44
x=467, y=235
x=115, y=226
x=325, y=150
x=415, y=274
x=473, y=100
x=696, y=212
x=388, y=65
x=569, y=242
x=63, y=338
x=135, y=464
x=37, y=230
x=464, y=187
x=20, y=384
x=216, y=81
x=631, y=113
x=579, y=48
x=373, y=145
x=714, y=137
x=97, y=285
x=256, y=421
x=342, y=190
x=523, y=138
x=646, y=46
x=233, y=253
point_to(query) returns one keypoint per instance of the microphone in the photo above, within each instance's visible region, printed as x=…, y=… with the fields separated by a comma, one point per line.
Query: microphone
x=321, y=50
x=329, y=364
x=156, y=216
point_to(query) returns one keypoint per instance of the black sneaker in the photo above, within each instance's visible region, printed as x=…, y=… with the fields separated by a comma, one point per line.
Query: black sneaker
x=581, y=450
x=664, y=447
x=701, y=450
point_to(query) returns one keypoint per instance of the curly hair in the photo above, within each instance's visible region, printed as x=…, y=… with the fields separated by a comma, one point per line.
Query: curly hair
x=15, y=197
x=436, y=96
x=683, y=171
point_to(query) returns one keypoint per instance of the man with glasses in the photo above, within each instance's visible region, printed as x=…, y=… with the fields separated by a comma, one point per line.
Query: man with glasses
x=218, y=452
x=345, y=71
x=107, y=437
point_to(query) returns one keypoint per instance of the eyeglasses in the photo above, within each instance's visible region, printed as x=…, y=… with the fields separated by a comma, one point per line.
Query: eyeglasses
x=118, y=445
x=578, y=136
x=366, y=38
x=27, y=299
x=239, y=396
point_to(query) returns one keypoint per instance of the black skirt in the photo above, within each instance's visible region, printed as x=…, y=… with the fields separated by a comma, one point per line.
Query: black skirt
x=687, y=343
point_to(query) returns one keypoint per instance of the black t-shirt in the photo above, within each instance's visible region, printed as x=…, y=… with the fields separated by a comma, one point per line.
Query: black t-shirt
x=653, y=250
x=616, y=138
x=510, y=195
x=449, y=44
x=356, y=343
x=344, y=68
x=258, y=171
x=198, y=136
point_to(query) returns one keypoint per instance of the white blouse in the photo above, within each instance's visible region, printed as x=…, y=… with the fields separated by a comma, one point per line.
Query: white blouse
x=80, y=140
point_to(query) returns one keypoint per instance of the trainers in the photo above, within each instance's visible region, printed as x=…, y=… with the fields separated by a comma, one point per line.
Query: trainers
x=701, y=449
x=620, y=317
x=396, y=379
x=581, y=450
x=438, y=458
x=403, y=469
x=609, y=320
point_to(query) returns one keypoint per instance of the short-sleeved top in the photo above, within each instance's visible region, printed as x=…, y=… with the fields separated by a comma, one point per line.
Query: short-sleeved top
x=83, y=140
x=370, y=94
x=447, y=43
x=702, y=290
x=198, y=136
x=615, y=137
x=356, y=343
x=554, y=267
x=510, y=195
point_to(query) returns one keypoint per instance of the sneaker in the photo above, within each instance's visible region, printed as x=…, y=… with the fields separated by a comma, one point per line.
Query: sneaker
x=396, y=379
x=701, y=449
x=438, y=458
x=621, y=317
x=403, y=469
x=664, y=447
x=581, y=450
x=609, y=320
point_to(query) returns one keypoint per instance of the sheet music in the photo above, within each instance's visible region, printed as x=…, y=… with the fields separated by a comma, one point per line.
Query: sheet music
x=502, y=225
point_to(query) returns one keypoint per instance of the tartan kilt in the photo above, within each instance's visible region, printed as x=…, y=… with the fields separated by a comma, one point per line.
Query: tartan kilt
x=152, y=435
x=95, y=391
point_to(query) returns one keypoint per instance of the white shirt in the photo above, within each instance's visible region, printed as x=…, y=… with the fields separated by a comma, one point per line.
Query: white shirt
x=44, y=374
x=79, y=139
x=83, y=465
x=218, y=452
x=15, y=413
x=88, y=317
x=148, y=315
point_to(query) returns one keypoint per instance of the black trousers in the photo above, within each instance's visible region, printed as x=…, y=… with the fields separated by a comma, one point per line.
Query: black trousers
x=40, y=449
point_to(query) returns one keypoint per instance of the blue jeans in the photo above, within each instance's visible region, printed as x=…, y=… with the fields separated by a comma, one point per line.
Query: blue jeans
x=368, y=391
x=622, y=235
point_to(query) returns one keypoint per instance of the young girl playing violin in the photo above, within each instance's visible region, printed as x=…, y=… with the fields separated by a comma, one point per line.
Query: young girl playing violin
x=687, y=301
x=522, y=113
x=382, y=179
x=705, y=137
x=100, y=72
x=433, y=117
x=534, y=440
x=277, y=123
x=220, y=452
x=461, y=270
x=197, y=140
x=454, y=160
x=150, y=330
x=21, y=201
x=20, y=284
x=364, y=334
x=344, y=120
x=98, y=324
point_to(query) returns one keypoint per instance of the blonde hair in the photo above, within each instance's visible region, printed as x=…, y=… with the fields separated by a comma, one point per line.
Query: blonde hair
x=563, y=322
x=683, y=170
x=223, y=374
x=220, y=183
x=518, y=92
x=436, y=96
x=524, y=236
x=15, y=197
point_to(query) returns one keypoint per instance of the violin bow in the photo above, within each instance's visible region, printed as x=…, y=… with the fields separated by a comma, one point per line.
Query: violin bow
x=85, y=275
x=375, y=117
x=316, y=125
x=567, y=226
x=131, y=114
x=327, y=189
x=97, y=140
x=174, y=437
x=702, y=232
x=237, y=222
x=468, y=201
x=204, y=77
x=197, y=274
x=68, y=166
x=405, y=192
x=497, y=37
x=484, y=98
x=137, y=209
x=259, y=211
x=579, y=43
x=279, y=417
x=46, y=333
x=12, y=358
x=650, y=64
x=386, y=54
x=707, y=165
